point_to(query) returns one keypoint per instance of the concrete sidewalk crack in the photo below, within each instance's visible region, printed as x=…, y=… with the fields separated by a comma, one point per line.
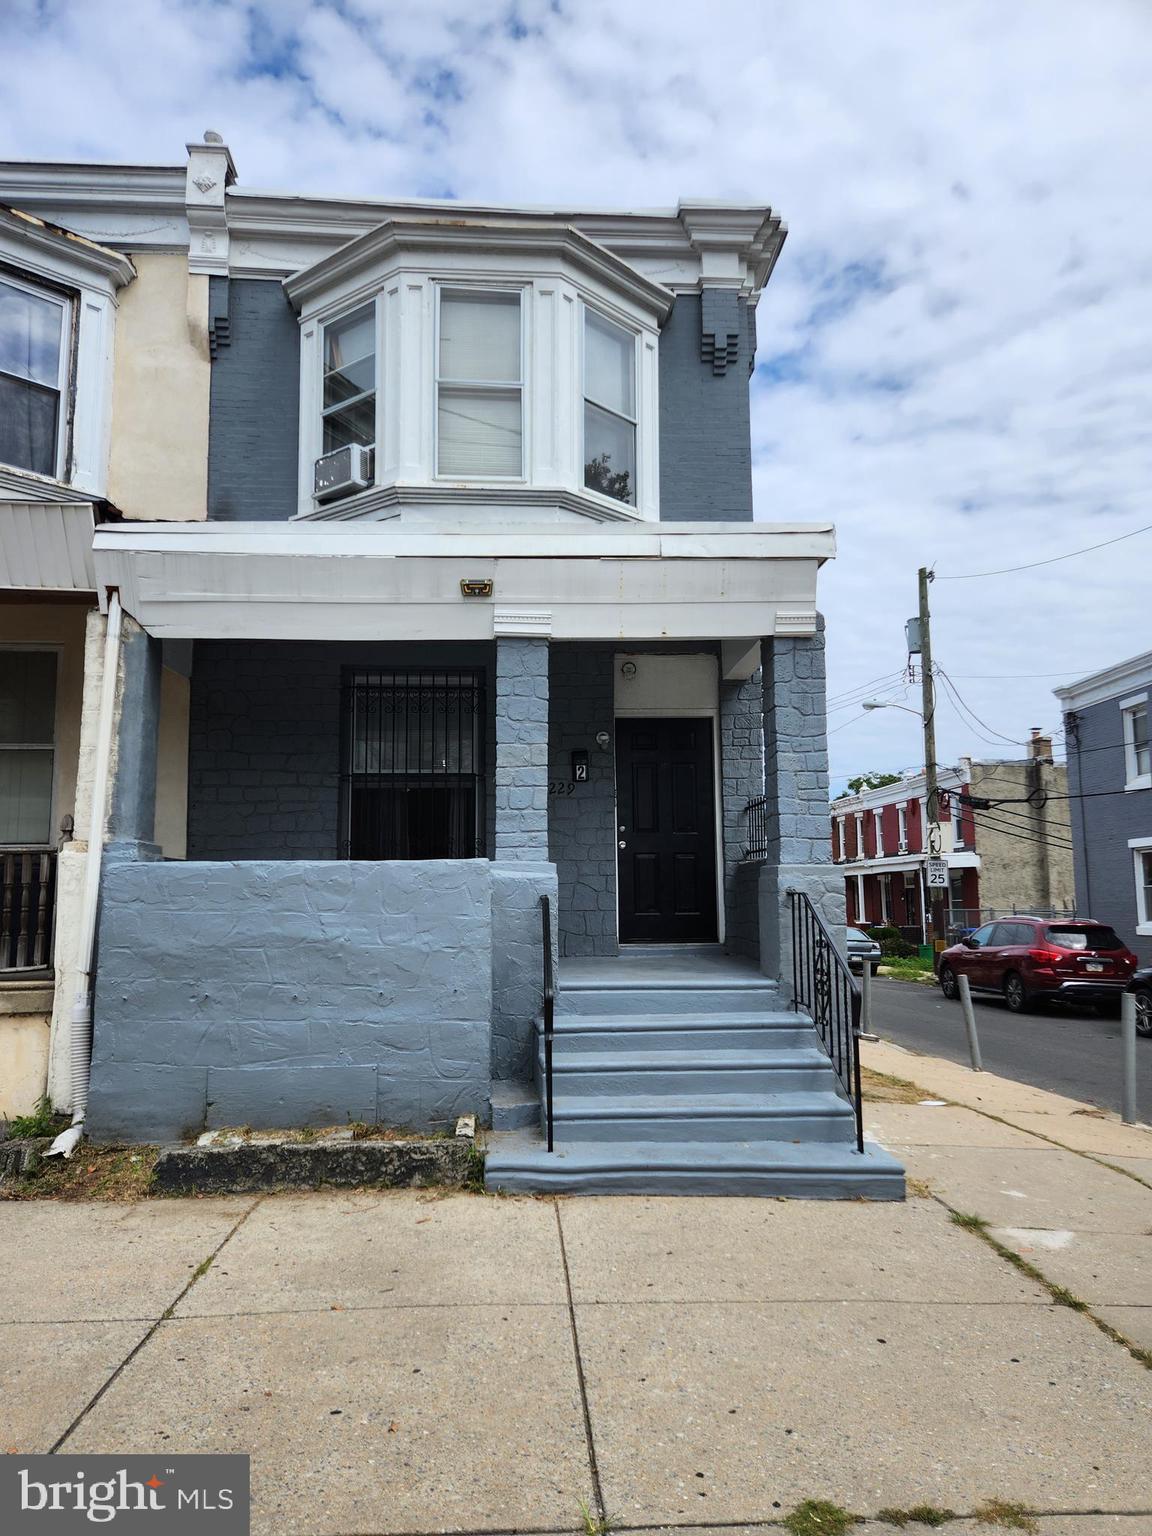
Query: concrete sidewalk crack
x=201, y=1269
x=593, y=1467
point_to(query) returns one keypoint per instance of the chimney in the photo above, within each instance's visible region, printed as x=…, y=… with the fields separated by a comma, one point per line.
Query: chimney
x=1040, y=746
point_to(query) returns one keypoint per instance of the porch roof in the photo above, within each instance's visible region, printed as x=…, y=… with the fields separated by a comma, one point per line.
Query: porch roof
x=659, y=581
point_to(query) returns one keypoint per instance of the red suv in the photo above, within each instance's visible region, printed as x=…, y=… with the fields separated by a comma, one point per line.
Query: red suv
x=1028, y=960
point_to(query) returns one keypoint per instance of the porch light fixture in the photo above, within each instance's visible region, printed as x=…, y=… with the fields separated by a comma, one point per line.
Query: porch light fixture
x=603, y=740
x=628, y=669
x=480, y=587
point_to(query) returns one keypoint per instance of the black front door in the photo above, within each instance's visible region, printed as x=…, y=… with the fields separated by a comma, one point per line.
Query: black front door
x=666, y=820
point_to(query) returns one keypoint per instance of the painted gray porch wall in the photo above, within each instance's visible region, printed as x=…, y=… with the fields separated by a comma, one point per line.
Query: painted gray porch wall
x=264, y=747
x=582, y=825
x=741, y=780
x=796, y=797
x=1103, y=823
x=132, y=814
x=253, y=434
x=521, y=732
x=518, y=962
x=705, y=422
x=268, y=994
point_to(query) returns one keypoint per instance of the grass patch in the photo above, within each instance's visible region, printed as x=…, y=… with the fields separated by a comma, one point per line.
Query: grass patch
x=819, y=1517
x=919, y=1514
x=881, y=1088
x=43, y=1121
x=592, y=1524
x=905, y=968
x=1011, y=1517
x=92, y=1173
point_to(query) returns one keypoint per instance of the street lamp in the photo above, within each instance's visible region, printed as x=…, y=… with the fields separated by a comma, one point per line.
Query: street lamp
x=888, y=704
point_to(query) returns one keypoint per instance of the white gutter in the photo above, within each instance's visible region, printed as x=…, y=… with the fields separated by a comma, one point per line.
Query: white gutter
x=81, y=1019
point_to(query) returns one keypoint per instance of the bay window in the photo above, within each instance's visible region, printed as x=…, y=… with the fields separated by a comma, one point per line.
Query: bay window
x=34, y=331
x=609, y=408
x=27, y=746
x=349, y=404
x=480, y=386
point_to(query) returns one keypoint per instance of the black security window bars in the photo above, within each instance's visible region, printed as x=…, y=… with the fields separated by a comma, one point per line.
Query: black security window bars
x=412, y=765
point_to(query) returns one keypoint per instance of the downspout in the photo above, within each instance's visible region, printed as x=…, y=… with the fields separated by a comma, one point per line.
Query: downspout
x=81, y=1018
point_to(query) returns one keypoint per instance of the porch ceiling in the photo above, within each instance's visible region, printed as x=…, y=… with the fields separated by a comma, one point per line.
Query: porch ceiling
x=681, y=581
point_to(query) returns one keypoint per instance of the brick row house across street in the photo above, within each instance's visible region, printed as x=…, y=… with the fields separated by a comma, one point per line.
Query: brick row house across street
x=1015, y=855
x=381, y=581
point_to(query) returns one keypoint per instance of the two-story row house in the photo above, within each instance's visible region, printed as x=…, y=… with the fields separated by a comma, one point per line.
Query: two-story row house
x=430, y=645
x=1013, y=854
x=1106, y=723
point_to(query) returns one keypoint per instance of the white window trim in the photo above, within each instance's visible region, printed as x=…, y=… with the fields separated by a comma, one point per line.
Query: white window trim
x=335, y=319
x=64, y=384
x=838, y=828
x=1128, y=707
x=582, y=401
x=1140, y=845
x=553, y=292
x=37, y=746
x=441, y=286
x=902, y=834
x=878, y=818
x=858, y=816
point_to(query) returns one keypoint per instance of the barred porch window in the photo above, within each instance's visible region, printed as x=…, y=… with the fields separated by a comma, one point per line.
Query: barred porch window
x=412, y=774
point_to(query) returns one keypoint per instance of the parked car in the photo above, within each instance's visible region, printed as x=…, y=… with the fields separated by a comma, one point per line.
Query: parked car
x=1027, y=960
x=862, y=949
x=1141, y=985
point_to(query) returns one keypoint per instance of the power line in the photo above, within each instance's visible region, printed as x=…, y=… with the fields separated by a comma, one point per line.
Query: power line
x=876, y=682
x=1072, y=554
x=1007, y=830
x=956, y=694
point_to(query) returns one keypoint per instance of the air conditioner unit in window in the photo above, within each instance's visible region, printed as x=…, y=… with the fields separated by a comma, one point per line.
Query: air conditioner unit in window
x=342, y=472
x=902, y=847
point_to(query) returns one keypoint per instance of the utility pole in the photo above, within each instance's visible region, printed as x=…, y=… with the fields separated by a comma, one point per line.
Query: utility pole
x=933, y=837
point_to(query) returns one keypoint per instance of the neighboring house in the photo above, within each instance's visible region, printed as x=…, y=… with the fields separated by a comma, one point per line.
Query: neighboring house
x=101, y=382
x=1013, y=856
x=478, y=628
x=1106, y=720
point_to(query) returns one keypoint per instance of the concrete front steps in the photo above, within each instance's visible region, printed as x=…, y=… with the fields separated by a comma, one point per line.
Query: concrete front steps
x=690, y=1084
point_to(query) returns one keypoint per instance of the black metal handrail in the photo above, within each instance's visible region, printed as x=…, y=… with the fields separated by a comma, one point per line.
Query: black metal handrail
x=757, y=844
x=823, y=984
x=549, y=1010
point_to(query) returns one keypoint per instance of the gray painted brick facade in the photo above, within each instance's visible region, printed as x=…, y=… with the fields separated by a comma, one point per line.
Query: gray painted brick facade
x=264, y=750
x=1103, y=822
x=583, y=822
x=271, y=994
x=742, y=779
x=521, y=725
x=705, y=425
x=253, y=440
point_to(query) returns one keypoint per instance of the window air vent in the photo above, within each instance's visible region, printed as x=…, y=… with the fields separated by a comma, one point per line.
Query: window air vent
x=343, y=471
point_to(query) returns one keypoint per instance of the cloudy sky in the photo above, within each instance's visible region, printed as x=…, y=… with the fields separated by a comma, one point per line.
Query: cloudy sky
x=956, y=346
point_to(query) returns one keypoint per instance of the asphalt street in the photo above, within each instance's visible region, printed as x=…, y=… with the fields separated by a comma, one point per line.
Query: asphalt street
x=1073, y=1053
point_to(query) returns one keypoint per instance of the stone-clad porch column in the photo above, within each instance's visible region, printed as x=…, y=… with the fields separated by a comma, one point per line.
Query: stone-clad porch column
x=796, y=798
x=521, y=873
x=521, y=747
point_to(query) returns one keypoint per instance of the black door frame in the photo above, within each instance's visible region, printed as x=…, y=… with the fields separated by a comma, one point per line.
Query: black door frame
x=712, y=716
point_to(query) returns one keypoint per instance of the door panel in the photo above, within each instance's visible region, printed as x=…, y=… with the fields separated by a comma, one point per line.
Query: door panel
x=667, y=830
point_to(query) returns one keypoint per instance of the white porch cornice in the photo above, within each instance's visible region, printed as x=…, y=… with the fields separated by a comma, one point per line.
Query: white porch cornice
x=678, y=581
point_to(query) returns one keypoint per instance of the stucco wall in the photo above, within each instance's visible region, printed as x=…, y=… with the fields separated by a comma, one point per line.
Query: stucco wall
x=252, y=461
x=160, y=387
x=1024, y=863
x=268, y=994
x=705, y=431
x=1103, y=822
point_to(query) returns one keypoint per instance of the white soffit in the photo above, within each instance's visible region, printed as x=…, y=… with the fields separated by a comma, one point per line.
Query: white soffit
x=46, y=547
x=693, y=581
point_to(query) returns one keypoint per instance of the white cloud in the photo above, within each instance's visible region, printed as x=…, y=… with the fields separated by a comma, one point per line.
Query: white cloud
x=963, y=301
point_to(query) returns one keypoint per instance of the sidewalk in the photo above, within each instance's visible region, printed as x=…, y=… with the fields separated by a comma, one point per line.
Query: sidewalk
x=419, y=1363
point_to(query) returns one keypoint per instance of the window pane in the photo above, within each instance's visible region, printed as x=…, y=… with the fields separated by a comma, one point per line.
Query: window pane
x=609, y=454
x=25, y=797
x=480, y=432
x=352, y=424
x=30, y=330
x=609, y=365
x=350, y=357
x=1140, y=744
x=27, y=698
x=480, y=337
x=1146, y=877
x=28, y=426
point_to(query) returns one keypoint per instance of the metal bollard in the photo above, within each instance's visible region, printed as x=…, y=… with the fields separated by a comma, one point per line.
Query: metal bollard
x=866, y=998
x=1128, y=1058
x=970, y=1024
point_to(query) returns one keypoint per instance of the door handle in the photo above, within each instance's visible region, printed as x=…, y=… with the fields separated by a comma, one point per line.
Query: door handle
x=623, y=844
